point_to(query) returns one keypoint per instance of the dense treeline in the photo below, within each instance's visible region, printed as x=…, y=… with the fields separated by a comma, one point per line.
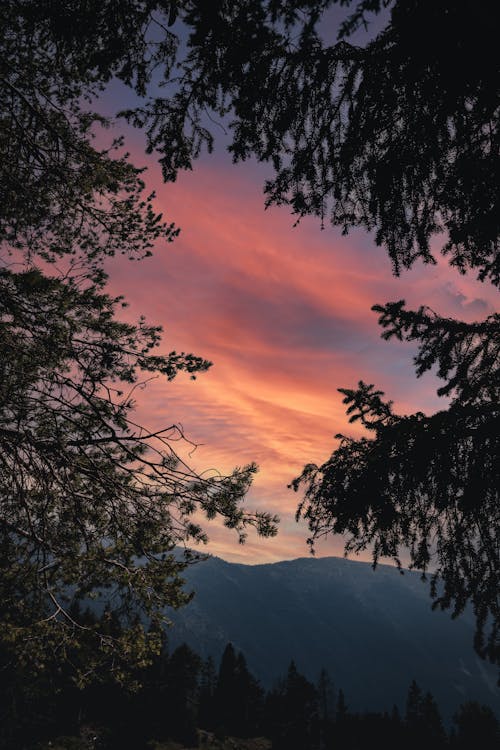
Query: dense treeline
x=178, y=693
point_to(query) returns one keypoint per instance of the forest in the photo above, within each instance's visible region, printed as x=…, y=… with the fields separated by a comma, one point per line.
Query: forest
x=180, y=700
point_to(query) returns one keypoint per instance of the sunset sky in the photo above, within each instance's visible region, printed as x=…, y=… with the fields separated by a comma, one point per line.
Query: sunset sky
x=284, y=314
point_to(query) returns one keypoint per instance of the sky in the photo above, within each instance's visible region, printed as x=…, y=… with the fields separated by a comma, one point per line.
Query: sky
x=283, y=313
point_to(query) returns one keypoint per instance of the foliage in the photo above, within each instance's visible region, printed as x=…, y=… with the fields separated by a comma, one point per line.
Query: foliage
x=416, y=485
x=476, y=724
x=166, y=709
x=428, y=483
x=292, y=713
x=423, y=719
x=410, y=166
x=90, y=500
x=93, y=504
x=337, y=122
x=237, y=697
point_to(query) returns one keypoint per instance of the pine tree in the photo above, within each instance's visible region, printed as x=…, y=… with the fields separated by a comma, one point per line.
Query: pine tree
x=181, y=696
x=300, y=712
x=432, y=723
x=250, y=699
x=238, y=697
x=208, y=682
x=91, y=504
x=423, y=720
x=326, y=704
x=341, y=712
x=343, y=723
x=476, y=726
x=413, y=705
x=226, y=704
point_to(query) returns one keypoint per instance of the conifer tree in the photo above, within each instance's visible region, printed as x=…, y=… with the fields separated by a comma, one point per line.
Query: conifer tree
x=182, y=695
x=433, y=729
x=207, y=706
x=238, y=697
x=413, y=705
x=326, y=708
x=476, y=726
x=299, y=728
x=92, y=503
x=341, y=711
x=249, y=699
x=226, y=706
x=423, y=720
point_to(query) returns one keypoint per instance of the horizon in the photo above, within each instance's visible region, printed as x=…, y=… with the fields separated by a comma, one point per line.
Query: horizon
x=386, y=564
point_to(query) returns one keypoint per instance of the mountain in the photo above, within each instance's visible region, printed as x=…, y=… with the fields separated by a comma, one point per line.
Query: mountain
x=374, y=631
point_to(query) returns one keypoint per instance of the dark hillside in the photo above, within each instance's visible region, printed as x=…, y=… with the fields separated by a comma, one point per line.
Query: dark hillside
x=373, y=630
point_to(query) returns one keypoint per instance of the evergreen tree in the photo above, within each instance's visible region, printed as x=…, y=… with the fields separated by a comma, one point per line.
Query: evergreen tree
x=326, y=696
x=182, y=695
x=249, y=698
x=414, y=701
x=476, y=726
x=226, y=705
x=326, y=708
x=297, y=725
x=423, y=720
x=146, y=715
x=238, y=697
x=399, y=136
x=91, y=503
x=207, y=707
x=343, y=729
x=411, y=151
x=435, y=735
x=341, y=711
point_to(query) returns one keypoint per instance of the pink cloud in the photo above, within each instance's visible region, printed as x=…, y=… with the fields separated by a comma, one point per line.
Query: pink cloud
x=285, y=316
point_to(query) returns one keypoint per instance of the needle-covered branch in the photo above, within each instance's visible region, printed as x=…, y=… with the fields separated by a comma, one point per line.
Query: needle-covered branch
x=427, y=487
x=92, y=504
x=466, y=355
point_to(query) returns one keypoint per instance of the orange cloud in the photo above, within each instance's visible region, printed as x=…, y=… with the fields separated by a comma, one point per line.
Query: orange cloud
x=284, y=313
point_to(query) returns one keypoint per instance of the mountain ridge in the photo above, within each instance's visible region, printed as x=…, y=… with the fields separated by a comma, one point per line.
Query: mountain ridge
x=372, y=629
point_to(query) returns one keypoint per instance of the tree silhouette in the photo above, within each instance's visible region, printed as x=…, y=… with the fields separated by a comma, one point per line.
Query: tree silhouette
x=298, y=714
x=476, y=725
x=423, y=720
x=411, y=150
x=182, y=696
x=207, y=706
x=237, y=697
x=92, y=503
x=47, y=711
x=326, y=712
x=226, y=701
x=338, y=122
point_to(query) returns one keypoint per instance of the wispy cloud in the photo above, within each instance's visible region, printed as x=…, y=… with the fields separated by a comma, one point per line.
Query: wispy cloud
x=284, y=313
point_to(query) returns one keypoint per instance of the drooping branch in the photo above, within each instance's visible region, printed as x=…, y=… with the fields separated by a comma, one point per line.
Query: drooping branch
x=466, y=355
x=426, y=487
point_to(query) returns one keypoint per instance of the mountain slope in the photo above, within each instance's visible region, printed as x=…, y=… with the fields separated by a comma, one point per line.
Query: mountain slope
x=373, y=630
